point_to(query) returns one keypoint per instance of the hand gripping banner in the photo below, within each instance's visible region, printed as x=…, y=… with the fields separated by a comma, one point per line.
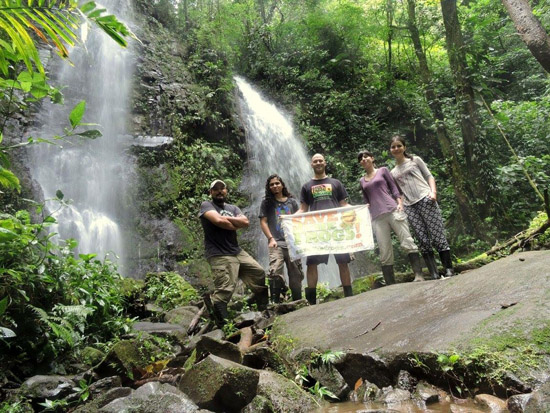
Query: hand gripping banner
x=330, y=231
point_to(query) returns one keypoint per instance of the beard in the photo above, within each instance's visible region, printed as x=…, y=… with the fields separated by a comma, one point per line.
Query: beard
x=219, y=201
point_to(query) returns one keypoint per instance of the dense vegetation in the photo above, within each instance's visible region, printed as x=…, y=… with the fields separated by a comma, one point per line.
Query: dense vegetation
x=354, y=73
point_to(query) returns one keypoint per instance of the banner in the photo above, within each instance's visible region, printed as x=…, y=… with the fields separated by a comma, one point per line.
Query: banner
x=330, y=231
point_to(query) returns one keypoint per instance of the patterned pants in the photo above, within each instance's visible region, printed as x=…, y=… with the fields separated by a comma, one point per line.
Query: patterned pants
x=427, y=224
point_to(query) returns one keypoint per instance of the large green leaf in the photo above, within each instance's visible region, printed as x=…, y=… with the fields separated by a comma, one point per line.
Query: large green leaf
x=9, y=180
x=76, y=114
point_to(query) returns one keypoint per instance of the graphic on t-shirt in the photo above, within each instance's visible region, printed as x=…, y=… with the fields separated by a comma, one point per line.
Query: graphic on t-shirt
x=281, y=209
x=226, y=213
x=322, y=191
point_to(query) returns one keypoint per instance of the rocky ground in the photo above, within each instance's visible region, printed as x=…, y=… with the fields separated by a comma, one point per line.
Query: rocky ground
x=484, y=332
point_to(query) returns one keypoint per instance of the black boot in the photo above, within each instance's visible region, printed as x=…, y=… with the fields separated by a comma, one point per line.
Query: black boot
x=389, y=277
x=296, y=293
x=416, y=266
x=429, y=258
x=275, y=290
x=447, y=262
x=311, y=295
x=262, y=299
x=348, y=290
x=220, y=313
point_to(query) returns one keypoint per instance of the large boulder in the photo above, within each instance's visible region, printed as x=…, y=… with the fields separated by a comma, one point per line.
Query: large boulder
x=331, y=379
x=220, y=385
x=283, y=395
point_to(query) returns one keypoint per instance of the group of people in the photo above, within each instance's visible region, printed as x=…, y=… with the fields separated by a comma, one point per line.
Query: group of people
x=404, y=196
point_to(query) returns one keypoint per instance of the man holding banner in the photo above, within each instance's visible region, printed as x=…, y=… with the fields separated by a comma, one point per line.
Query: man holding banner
x=322, y=193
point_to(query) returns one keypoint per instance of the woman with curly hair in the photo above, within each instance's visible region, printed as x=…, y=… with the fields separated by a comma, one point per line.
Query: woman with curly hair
x=278, y=201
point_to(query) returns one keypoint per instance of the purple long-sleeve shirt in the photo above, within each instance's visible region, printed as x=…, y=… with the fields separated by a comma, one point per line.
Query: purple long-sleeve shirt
x=380, y=192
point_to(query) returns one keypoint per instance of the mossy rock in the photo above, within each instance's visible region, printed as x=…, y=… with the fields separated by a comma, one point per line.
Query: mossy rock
x=127, y=356
x=91, y=356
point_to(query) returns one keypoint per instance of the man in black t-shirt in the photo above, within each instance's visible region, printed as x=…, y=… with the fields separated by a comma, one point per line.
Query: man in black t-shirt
x=322, y=192
x=220, y=222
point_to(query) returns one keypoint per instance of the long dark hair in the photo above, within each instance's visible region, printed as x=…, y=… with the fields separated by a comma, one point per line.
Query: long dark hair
x=268, y=195
x=401, y=139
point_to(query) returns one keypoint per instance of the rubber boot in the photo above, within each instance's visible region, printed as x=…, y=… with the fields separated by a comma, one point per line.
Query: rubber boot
x=311, y=295
x=447, y=262
x=348, y=290
x=296, y=293
x=262, y=299
x=220, y=313
x=416, y=266
x=429, y=258
x=275, y=290
x=389, y=277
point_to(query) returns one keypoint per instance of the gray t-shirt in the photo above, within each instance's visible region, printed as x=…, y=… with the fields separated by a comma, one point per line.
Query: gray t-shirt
x=272, y=210
x=219, y=241
x=324, y=193
x=412, y=178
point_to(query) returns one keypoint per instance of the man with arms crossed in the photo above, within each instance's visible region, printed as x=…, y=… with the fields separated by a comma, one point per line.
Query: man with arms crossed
x=322, y=192
x=220, y=222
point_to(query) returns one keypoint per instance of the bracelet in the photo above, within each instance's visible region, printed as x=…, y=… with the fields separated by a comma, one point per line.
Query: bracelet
x=270, y=238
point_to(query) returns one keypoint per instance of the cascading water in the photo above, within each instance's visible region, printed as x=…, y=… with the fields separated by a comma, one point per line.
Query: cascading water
x=273, y=147
x=91, y=173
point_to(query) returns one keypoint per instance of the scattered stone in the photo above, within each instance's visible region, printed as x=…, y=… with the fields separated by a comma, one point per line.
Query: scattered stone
x=406, y=381
x=330, y=378
x=103, y=385
x=367, y=391
x=152, y=398
x=517, y=403
x=259, y=404
x=247, y=319
x=101, y=400
x=261, y=357
x=219, y=384
x=427, y=393
x=455, y=408
x=539, y=401
x=181, y=316
x=391, y=396
x=371, y=367
x=47, y=387
x=284, y=395
x=494, y=404
x=288, y=307
x=221, y=348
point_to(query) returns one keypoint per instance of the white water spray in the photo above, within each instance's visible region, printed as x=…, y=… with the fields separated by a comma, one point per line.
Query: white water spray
x=273, y=147
x=91, y=173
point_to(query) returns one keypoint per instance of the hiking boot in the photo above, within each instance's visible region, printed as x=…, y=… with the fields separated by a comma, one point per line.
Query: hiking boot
x=389, y=276
x=296, y=293
x=220, y=313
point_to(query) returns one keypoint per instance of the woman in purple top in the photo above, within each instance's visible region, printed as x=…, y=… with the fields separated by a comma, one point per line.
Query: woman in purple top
x=386, y=209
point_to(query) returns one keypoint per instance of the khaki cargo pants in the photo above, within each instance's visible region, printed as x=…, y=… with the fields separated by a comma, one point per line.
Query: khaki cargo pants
x=278, y=257
x=227, y=269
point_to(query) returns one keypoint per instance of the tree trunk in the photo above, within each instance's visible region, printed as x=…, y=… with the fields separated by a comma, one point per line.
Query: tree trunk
x=530, y=29
x=475, y=152
x=470, y=219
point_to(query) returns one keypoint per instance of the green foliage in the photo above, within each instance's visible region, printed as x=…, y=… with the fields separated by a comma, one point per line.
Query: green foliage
x=52, y=302
x=323, y=291
x=169, y=290
x=321, y=391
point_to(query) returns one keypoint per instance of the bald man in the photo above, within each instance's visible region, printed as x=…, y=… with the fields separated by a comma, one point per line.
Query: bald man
x=320, y=193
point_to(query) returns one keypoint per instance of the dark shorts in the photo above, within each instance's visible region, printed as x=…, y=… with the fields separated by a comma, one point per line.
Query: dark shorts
x=323, y=259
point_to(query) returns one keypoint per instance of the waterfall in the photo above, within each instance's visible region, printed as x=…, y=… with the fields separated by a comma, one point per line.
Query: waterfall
x=273, y=147
x=92, y=174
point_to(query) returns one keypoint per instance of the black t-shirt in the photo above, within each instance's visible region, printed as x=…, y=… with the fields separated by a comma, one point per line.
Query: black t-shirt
x=219, y=241
x=324, y=193
x=272, y=210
